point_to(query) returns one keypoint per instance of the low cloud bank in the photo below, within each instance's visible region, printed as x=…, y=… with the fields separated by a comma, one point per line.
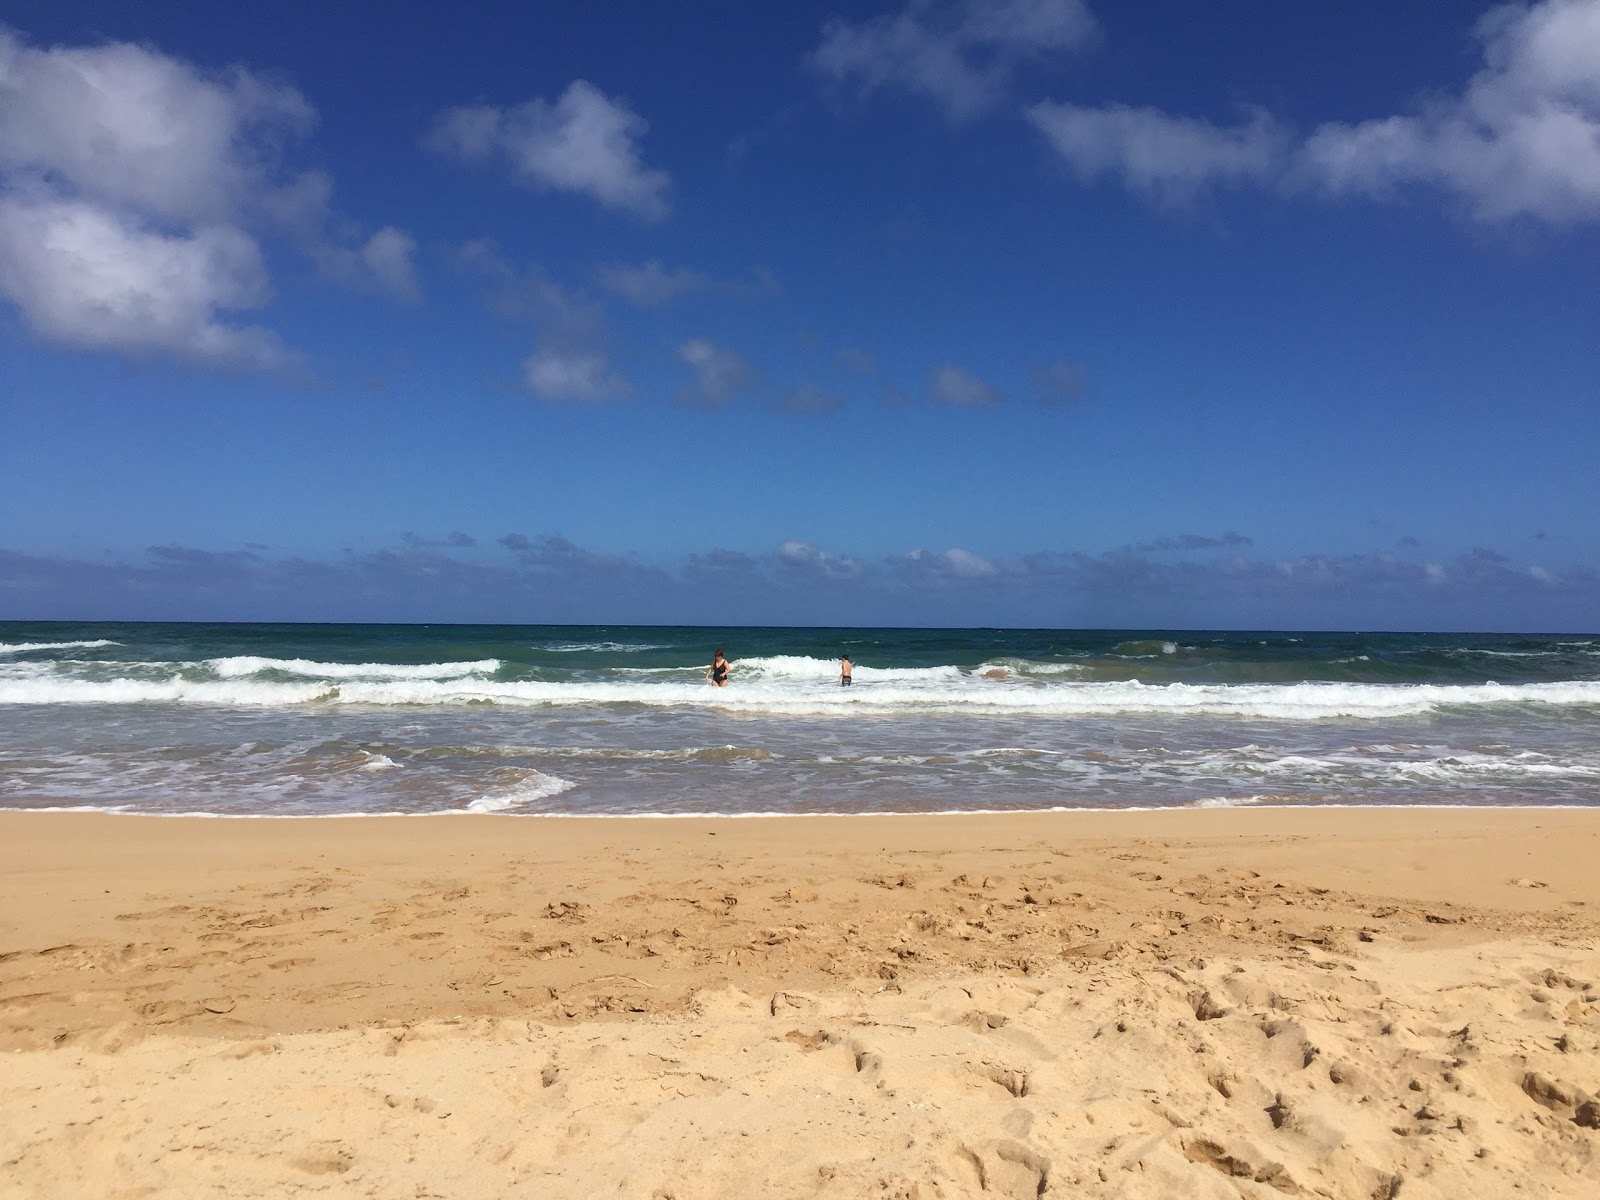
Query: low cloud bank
x=1179, y=581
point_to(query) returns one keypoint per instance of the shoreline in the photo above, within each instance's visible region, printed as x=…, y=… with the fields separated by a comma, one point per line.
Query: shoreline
x=768, y=815
x=1226, y=1001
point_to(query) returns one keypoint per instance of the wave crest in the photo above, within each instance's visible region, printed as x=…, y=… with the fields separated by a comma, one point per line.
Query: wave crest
x=29, y=647
x=243, y=665
x=908, y=693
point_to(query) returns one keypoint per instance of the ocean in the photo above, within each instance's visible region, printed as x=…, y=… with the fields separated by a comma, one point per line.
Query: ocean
x=324, y=720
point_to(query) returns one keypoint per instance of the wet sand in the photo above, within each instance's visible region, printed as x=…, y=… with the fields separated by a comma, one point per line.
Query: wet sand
x=1333, y=1002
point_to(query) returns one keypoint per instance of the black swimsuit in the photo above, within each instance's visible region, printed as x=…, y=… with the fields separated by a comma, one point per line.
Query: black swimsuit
x=719, y=672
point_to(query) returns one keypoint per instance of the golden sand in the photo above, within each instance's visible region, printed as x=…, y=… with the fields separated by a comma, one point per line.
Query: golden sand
x=1260, y=1003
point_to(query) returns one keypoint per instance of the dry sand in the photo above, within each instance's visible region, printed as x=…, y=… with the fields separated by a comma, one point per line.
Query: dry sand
x=1340, y=1003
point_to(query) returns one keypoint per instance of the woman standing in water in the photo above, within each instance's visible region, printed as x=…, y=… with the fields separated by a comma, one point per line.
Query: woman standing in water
x=718, y=674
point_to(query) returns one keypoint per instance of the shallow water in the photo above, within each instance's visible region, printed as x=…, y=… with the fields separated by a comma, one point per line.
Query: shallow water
x=326, y=719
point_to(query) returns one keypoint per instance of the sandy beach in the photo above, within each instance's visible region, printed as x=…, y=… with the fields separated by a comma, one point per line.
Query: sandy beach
x=1321, y=1002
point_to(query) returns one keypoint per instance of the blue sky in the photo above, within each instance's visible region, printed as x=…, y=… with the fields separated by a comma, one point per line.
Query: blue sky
x=1033, y=312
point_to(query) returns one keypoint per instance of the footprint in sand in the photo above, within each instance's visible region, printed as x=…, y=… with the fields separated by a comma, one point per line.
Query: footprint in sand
x=1008, y=1079
x=1239, y=1161
x=322, y=1160
x=1005, y=1169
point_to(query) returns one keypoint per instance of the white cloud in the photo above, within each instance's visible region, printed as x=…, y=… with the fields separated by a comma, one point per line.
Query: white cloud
x=952, y=562
x=810, y=557
x=966, y=563
x=962, y=389
x=584, y=142
x=720, y=374
x=86, y=278
x=131, y=126
x=384, y=263
x=650, y=284
x=123, y=177
x=573, y=374
x=130, y=184
x=571, y=361
x=1523, y=139
x=1158, y=155
x=388, y=256
x=958, y=54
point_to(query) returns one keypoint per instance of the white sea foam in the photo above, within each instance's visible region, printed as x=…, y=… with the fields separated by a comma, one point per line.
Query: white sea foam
x=1014, y=751
x=874, y=814
x=777, y=687
x=175, y=690
x=1144, y=648
x=600, y=647
x=801, y=668
x=26, y=647
x=535, y=786
x=1363, y=767
x=1025, y=666
x=243, y=665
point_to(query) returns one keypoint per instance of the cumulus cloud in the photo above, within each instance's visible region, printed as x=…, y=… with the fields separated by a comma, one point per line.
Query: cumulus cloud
x=125, y=175
x=571, y=360
x=134, y=127
x=960, y=55
x=89, y=278
x=556, y=373
x=720, y=374
x=385, y=264
x=584, y=142
x=958, y=388
x=1523, y=138
x=1162, y=157
x=133, y=188
x=954, y=562
x=806, y=557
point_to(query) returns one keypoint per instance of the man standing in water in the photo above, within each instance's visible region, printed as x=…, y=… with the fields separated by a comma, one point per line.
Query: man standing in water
x=844, y=671
x=718, y=674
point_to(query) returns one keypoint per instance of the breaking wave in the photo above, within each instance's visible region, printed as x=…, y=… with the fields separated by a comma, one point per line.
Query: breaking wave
x=776, y=686
x=241, y=666
x=27, y=647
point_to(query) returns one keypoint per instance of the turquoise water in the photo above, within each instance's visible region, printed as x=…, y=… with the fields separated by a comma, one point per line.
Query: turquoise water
x=324, y=719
